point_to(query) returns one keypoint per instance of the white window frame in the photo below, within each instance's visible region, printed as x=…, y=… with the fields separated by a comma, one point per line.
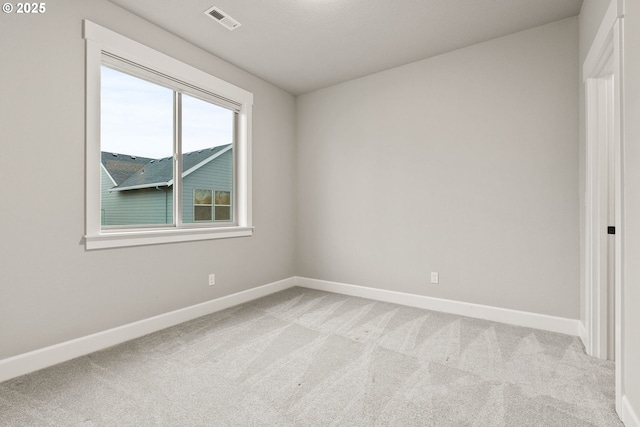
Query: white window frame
x=99, y=40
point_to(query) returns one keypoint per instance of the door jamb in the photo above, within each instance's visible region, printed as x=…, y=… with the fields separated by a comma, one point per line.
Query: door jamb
x=604, y=60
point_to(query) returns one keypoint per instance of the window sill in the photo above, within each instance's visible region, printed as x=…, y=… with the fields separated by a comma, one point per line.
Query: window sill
x=118, y=239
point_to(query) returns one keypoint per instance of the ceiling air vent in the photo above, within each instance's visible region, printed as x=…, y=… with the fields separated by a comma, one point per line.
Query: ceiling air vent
x=219, y=16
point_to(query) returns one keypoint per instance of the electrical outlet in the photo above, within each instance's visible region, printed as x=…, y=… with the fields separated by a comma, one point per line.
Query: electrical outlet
x=212, y=279
x=434, y=277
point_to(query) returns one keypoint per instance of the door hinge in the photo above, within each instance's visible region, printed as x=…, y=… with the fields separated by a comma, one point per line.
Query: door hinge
x=611, y=230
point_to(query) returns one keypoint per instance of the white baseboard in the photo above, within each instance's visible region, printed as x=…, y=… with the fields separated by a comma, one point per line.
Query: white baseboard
x=38, y=359
x=513, y=317
x=629, y=416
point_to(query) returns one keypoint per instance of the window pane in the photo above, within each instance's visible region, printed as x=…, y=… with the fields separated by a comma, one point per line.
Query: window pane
x=136, y=138
x=223, y=198
x=207, y=160
x=223, y=213
x=202, y=213
x=201, y=197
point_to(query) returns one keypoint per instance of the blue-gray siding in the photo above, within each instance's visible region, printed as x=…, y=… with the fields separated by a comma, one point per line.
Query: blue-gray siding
x=216, y=175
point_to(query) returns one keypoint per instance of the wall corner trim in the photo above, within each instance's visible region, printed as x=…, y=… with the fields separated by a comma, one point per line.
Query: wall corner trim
x=25, y=363
x=513, y=317
x=629, y=416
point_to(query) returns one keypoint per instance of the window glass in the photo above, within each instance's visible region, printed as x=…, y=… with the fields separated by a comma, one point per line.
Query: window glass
x=202, y=205
x=223, y=206
x=207, y=161
x=136, y=144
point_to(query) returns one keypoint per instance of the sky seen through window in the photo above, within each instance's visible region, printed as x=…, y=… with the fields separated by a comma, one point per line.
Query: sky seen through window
x=137, y=118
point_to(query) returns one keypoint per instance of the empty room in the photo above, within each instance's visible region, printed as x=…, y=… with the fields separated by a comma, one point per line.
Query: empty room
x=320, y=213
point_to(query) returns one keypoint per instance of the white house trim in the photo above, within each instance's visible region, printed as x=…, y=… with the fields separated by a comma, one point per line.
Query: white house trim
x=137, y=187
x=108, y=174
x=204, y=162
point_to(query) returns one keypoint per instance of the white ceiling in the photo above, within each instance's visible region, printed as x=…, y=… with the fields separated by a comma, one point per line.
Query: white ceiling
x=303, y=45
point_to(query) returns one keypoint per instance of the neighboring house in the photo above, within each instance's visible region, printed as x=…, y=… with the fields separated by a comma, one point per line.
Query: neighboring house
x=139, y=190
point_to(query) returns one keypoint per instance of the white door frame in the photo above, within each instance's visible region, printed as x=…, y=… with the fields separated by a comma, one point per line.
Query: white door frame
x=602, y=76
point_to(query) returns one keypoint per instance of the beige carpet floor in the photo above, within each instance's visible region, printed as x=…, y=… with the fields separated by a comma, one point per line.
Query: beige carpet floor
x=309, y=358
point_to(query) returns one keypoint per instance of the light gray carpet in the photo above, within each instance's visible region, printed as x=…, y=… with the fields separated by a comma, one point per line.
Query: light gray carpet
x=308, y=358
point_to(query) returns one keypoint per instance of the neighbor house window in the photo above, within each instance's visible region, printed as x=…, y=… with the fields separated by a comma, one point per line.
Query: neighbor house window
x=209, y=205
x=202, y=205
x=222, y=207
x=167, y=148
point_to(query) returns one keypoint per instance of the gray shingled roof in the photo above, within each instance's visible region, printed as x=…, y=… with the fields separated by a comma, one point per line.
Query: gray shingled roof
x=122, y=166
x=139, y=172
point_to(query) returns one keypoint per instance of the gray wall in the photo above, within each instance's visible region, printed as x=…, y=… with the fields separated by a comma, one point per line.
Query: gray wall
x=51, y=289
x=465, y=164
